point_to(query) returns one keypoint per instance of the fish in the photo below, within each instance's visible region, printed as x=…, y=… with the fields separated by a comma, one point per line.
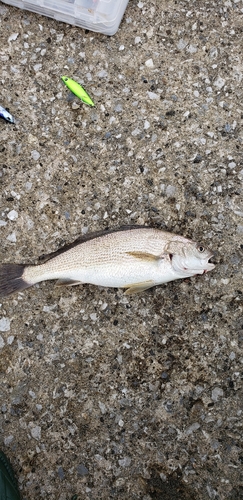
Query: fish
x=6, y=115
x=77, y=90
x=131, y=257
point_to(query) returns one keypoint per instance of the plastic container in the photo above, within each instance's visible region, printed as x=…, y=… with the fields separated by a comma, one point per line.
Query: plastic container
x=103, y=16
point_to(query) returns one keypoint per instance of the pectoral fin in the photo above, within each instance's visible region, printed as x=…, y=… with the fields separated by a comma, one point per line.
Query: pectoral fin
x=145, y=256
x=67, y=282
x=138, y=287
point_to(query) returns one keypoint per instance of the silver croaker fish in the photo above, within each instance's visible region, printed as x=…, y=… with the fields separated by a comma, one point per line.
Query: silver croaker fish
x=6, y=115
x=134, y=258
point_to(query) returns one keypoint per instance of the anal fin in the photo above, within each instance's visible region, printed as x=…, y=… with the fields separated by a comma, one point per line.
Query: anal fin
x=68, y=282
x=138, y=287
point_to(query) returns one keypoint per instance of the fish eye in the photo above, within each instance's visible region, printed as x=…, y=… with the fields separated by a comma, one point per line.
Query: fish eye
x=200, y=248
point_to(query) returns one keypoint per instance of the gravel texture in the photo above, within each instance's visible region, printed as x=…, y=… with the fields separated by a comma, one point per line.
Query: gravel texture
x=104, y=396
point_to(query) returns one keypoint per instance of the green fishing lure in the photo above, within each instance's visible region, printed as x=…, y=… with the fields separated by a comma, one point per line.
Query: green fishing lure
x=77, y=90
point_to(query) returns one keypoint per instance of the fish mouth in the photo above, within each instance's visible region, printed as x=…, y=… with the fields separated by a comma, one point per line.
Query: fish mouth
x=201, y=266
x=210, y=266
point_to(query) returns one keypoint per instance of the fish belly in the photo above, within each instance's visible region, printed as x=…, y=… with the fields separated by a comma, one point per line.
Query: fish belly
x=110, y=274
x=125, y=275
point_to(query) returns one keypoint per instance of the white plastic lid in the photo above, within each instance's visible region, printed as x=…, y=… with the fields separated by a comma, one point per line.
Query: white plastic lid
x=103, y=16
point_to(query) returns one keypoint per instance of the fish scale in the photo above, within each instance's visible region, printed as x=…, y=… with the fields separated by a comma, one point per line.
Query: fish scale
x=135, y=258
x=110, y=250
x=107, y=253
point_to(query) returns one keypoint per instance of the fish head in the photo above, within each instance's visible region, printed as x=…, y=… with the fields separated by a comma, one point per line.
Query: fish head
x=9, y=118
x=65, y=79
x=192, y=258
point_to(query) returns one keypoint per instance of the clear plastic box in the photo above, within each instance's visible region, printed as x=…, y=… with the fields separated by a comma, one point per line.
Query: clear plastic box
x=103, y=16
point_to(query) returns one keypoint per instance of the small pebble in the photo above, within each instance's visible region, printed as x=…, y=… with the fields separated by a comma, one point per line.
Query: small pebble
x=35, y=155
x=8, y=440
x=37, y=67
x=170, y=191
x=102, y=74
x=197, y=159
x=36, y=432
x=82, y=470
x=219, y=82
x=28, y=186
x=13, y=37
x=125, y=462
x=135, y=132
x=217, y=393
x=59, y=37
x=152, y=95
x=93, y=316
x=3, y=10
x=12, y=215
x=181, y=44
x=102, y=407
x=60, y=472
x=192, y=428
x=149, y=63
x=75, y=105
x=4, y=324
x=118, y=108
x=12, y=238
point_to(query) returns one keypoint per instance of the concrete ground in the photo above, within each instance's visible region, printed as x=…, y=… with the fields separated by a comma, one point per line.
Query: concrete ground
x=106, y=396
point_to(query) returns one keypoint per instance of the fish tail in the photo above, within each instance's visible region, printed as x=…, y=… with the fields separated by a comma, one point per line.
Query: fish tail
x=12, y=279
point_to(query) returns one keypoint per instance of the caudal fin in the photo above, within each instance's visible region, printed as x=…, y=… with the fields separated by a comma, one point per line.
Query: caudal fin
x=11, y=279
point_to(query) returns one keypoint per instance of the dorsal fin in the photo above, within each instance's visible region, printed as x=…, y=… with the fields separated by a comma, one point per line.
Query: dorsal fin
x=87, y=237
